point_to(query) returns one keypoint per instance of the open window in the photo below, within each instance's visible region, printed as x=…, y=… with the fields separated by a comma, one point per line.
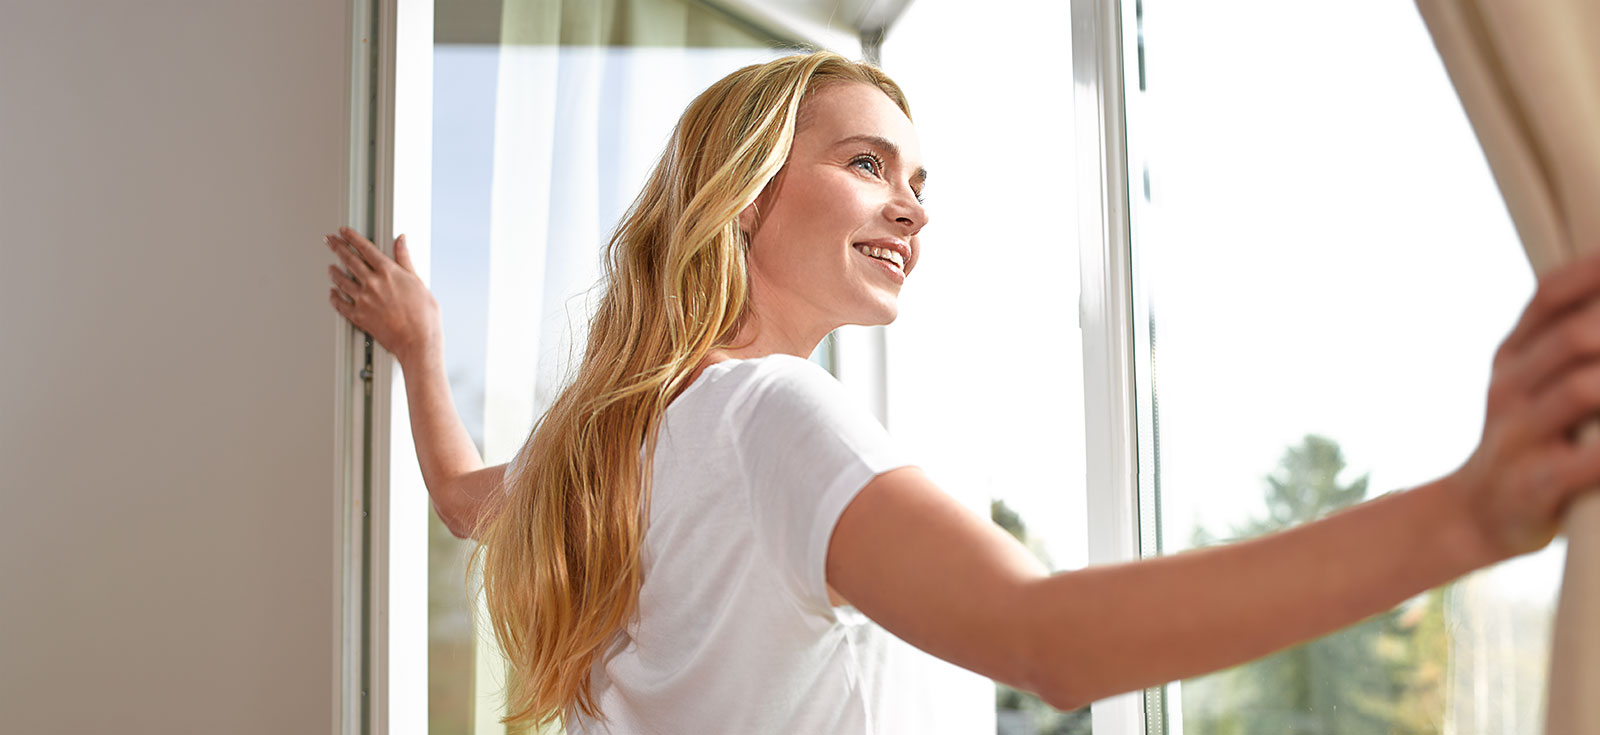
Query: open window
x=1284, y=185
x=1158, y=299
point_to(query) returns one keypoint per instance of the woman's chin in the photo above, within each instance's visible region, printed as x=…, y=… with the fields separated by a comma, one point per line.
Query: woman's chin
x=882, y=314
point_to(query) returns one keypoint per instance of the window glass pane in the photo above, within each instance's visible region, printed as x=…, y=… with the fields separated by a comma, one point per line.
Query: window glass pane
x=985, y=359
x=463, y=99
x=1323, y=269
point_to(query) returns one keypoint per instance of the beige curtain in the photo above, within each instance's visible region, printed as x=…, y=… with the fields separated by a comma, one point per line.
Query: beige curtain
x=1528, y=72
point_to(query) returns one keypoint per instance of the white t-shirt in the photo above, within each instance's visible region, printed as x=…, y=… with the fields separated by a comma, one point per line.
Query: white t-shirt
x=755, y=462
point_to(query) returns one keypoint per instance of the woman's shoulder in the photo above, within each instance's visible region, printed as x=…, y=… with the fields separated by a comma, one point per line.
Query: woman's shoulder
x=778, y=373
x=778, y=363
x=748, y=383
x=785, y=389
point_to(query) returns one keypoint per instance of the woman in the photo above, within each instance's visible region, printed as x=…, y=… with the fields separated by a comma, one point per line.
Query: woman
x=684, y=535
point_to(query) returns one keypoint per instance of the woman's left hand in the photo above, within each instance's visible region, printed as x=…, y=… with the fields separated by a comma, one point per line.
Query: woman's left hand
x=1531, y=461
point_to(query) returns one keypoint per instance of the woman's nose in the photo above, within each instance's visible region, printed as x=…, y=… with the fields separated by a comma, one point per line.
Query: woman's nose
x=909, y=212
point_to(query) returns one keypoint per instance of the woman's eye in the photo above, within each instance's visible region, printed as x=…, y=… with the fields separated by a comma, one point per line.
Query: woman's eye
x=871, y=164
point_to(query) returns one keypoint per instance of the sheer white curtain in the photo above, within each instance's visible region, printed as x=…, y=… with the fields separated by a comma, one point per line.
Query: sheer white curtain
x=1529, y=78
x=580, y=119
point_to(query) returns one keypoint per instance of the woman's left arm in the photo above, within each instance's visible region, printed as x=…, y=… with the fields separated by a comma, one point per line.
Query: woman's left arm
x=944, y=579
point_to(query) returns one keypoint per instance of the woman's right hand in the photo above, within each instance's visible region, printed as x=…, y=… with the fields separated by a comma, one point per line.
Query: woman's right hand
x=384, y=297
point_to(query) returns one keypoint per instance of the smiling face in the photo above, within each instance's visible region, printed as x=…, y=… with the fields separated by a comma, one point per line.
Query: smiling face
x=835, y=233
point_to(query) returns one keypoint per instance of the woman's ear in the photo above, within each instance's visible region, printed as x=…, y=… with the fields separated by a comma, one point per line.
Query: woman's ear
x=749, y=217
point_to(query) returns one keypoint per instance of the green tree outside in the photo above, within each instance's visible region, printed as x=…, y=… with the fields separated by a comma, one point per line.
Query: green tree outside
x=1382, y=675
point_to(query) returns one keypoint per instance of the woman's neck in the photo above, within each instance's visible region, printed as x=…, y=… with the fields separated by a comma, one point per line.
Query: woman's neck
x=756, y=338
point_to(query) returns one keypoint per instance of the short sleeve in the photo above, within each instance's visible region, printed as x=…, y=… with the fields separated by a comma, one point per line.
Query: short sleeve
x=806, y=448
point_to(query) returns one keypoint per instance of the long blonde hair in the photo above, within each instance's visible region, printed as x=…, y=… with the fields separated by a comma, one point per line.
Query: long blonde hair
x=560, y=553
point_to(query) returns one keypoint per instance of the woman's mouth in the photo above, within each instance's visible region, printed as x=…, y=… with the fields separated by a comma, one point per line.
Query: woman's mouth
x=883, y=254
x=890, y=260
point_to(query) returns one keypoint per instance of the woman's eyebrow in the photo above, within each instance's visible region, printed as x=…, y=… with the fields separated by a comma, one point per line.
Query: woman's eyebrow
x=888, y=146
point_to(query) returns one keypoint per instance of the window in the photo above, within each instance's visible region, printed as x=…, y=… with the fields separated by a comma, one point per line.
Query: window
x=1322, y=268
x=1281, y=202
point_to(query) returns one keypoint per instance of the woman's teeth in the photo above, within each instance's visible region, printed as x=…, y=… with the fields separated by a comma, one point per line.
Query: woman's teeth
x=884, y=254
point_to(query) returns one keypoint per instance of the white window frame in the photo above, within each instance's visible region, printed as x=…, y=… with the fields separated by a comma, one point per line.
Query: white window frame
x=1101, y=29
x=352, y=397
x=382, y=652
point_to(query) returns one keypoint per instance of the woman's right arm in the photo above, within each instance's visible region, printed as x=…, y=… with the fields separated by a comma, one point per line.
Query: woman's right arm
x=465, y=498
x=457, y=480
x=385, y=298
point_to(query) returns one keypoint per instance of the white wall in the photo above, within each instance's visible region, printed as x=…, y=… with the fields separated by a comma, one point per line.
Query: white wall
x=167, y=365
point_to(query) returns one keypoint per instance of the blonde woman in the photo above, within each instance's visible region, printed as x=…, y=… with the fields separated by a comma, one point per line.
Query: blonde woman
x=689, y=537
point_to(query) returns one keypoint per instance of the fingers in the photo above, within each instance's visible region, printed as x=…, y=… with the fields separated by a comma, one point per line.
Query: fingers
x=346, y=283
x=370, y=255
x=402, y=254
x=1572, y=340
x=1575, y=470
x=345, y=308
x=352, y=259
x=1559, y=291
x=1558, y=409
x=343, y=282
